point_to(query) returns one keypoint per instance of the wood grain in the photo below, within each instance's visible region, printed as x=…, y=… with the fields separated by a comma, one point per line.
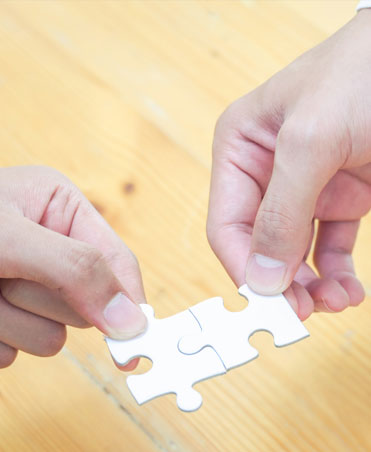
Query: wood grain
x=122, y=96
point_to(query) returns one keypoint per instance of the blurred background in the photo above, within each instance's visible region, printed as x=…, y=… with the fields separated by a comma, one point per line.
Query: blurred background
x=122, y=97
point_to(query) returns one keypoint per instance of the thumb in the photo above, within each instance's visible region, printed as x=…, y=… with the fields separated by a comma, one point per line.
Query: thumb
x=79, y=271
x=282, y=227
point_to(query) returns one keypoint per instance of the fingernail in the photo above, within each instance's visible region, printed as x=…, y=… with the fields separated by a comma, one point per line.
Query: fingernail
x=265, y=275
x=124, y=318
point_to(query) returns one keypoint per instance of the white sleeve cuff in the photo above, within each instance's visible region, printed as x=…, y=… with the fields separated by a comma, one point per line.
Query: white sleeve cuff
x=364, y=4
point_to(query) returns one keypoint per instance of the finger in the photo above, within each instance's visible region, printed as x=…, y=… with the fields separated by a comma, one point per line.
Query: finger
x=241, y=168
x=333, y=259
x=76, y=269
x=321, y=290
x=48, y=198
x=70, y=213
x=328, y=295
x=28, y=332
x=355, y=195
x=283, y=223
x=38, y=299
x=89, y=226
x=7, y=355
x=229, y=224
x=300, y=300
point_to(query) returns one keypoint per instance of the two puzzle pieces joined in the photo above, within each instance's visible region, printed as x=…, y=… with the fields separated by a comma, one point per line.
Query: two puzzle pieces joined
x=205, y=341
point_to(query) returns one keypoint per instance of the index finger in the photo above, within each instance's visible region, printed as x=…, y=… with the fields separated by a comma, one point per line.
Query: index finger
x=89, y=226
x=76, y=269
x=240, y=173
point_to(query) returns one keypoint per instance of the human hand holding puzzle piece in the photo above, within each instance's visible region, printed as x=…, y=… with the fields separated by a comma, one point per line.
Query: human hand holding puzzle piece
x=203, y=342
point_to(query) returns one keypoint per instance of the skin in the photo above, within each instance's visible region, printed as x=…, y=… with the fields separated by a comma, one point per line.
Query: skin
x=295, y=150
x=60, y=264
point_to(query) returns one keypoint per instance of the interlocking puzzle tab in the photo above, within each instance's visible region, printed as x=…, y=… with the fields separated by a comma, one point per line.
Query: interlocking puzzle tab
x=263, y=313
x=172, y=371
x=201, y=343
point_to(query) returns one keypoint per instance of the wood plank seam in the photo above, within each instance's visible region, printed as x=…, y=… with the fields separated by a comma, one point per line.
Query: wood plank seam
x=72, y=358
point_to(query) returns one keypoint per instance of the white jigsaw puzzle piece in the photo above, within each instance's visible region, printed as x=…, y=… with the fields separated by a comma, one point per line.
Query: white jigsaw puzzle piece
x=228, y=332
x=172, y=371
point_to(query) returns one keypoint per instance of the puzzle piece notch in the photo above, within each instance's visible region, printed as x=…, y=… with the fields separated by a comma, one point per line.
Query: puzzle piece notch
x=228, y=332
x=172, y=371
x=275, y=315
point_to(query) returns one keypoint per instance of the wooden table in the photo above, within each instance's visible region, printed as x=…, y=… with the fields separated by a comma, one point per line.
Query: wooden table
x=122, y=96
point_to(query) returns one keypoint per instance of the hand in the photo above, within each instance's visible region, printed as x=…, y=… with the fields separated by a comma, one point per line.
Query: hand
x=298, y=148
x=60, y=263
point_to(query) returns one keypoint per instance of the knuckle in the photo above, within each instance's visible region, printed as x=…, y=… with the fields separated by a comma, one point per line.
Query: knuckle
x=237, y=124
x=276, y=226
x=314, y=144
x=125, y=260
x=227, y=121
x=134, y=266
x=54, y=342
x=214, y=234
x=298, y=132
x=312, y=133
x=218, y=234
x=210, y=232
x=84, y=261
x=132, y=260
x=135, y=261
x=66, y=199
x=213, y=242
x=225, y=116
x=289, y=136
x=7, y=356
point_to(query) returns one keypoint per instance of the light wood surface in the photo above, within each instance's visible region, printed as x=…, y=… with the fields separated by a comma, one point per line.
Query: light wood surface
x=122, y=96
